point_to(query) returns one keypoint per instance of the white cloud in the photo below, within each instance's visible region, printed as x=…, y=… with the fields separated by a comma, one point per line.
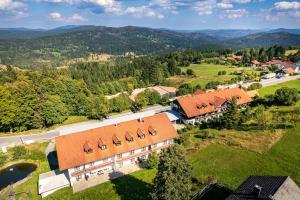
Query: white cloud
x=205, y=7
x=224, y=5
x=112, y=6
x=234, y=14
x=236, y=1
x=56, y=16
x=284, y=5
x=143, y=11
x=10, y=5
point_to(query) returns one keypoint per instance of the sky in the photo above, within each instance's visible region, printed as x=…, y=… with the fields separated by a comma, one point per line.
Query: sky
x=171, y=14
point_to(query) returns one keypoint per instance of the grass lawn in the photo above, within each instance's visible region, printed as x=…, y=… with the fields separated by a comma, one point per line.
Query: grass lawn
x=271, y=89
x=229, y=157
x=209, y=72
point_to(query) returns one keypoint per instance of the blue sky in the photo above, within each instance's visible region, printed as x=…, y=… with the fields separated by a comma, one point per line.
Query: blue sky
x=174, y=14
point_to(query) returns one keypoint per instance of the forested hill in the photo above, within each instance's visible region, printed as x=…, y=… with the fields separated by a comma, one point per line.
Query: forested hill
x=81, y=41
x=36, y=48
x=264, y=40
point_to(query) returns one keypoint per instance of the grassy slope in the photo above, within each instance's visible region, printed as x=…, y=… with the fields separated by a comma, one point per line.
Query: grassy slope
x=271, y=89
x=231, y=165
x=209, y=72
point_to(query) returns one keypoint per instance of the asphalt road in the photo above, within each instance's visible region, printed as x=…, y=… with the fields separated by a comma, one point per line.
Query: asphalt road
x=273, y=81
x=77, y=127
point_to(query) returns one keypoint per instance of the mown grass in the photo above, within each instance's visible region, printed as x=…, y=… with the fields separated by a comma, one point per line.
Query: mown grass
x=271, y=89
x=229, y=157
x=209, y=72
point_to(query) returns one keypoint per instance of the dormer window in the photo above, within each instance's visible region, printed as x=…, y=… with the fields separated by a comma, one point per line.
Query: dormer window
x=128, y=137
x=152, y=131
x=140, y=134
x=116, y=140
x=101, y=144
x=87, y=148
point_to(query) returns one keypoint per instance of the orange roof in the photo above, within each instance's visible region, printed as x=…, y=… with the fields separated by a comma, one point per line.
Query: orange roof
x=70, y=148
x=255, y=62
x=289, y=70
x=195, y=105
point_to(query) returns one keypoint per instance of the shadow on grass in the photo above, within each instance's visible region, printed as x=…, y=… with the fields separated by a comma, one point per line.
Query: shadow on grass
x=213, y=192
x=129, y=187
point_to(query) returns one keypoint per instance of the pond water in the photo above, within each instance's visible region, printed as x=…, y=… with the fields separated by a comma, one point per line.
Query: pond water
x=15, y=173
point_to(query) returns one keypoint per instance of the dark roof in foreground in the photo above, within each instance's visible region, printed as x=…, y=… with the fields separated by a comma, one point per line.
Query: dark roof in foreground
x=266, y=188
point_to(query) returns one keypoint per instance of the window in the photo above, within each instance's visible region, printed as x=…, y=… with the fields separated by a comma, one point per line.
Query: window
x=105, y=160
x=77, y=168
x=154, y=145
x=132, y=160
x=128, y=137
x=132, y=152
x=116, y=140
x=140, y=134
x=103, y=146
x=92, y=164
x=121, y=164
x=87, y=147
x=165, y=142
x=144, y=148
x=119, y=156
x=78, y=177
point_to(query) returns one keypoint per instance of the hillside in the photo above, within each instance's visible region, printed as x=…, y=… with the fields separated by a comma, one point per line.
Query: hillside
x=39, y=47
x=264, y=40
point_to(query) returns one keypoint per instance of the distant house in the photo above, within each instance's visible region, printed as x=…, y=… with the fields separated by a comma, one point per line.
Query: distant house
x=162, y=90
x=255, y=63
x=278, y=63
x=266, y=188
x=198, y=108
x=287, y=71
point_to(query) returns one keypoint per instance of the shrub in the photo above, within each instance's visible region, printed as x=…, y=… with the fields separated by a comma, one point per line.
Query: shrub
x=286, y=96
x=153, y=161
x=255, y=86
x=19, y=152
x=190, y=72
x=3, y=158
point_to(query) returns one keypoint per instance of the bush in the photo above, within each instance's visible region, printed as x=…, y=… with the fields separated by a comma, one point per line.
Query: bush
x=286, y=96
x=190, y=72
x=255, y=86
x=3, y=158
x=37, y=155
x=222, y=73
x=153, y=161
x=19, y=152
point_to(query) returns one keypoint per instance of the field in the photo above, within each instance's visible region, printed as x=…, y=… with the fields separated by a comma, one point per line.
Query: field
x=209, y=72
x=271, y=89
x=291, y=52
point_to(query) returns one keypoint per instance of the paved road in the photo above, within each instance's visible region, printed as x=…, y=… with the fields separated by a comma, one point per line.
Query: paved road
x=273, y=81
x=77, y=127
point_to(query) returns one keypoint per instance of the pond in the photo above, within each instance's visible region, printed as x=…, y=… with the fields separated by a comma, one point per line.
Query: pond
x=15, y=173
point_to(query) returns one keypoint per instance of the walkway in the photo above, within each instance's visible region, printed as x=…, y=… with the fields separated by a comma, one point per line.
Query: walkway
x=98, y=179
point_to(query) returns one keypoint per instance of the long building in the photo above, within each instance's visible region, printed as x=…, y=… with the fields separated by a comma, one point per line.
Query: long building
x=200, y=107
x=109, y=148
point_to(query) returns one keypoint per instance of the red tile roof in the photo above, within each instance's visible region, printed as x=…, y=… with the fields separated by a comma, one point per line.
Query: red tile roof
x=70, y=148
x=195, y=105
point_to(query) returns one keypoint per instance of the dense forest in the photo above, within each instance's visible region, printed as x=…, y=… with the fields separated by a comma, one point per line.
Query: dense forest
x=36, y=48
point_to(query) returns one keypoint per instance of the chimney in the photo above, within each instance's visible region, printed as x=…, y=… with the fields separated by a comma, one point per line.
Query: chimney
x=257, y=190
x=141, y=120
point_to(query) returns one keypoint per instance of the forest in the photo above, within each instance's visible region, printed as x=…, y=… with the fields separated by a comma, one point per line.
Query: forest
x=42, y=97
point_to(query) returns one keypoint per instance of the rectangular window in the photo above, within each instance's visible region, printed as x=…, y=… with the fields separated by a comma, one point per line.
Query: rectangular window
x=144, y=148
x=105, y=160
x=165, y=142
x=119, y=156
x=92, y=164
x=132, y=152
x=132, y=160
x=77, y=168
x=154, y=145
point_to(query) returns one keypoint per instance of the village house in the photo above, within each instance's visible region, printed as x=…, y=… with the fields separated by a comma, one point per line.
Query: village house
x=95, y=152
x=162, y=90
x=268, y=188
x=198, y=108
